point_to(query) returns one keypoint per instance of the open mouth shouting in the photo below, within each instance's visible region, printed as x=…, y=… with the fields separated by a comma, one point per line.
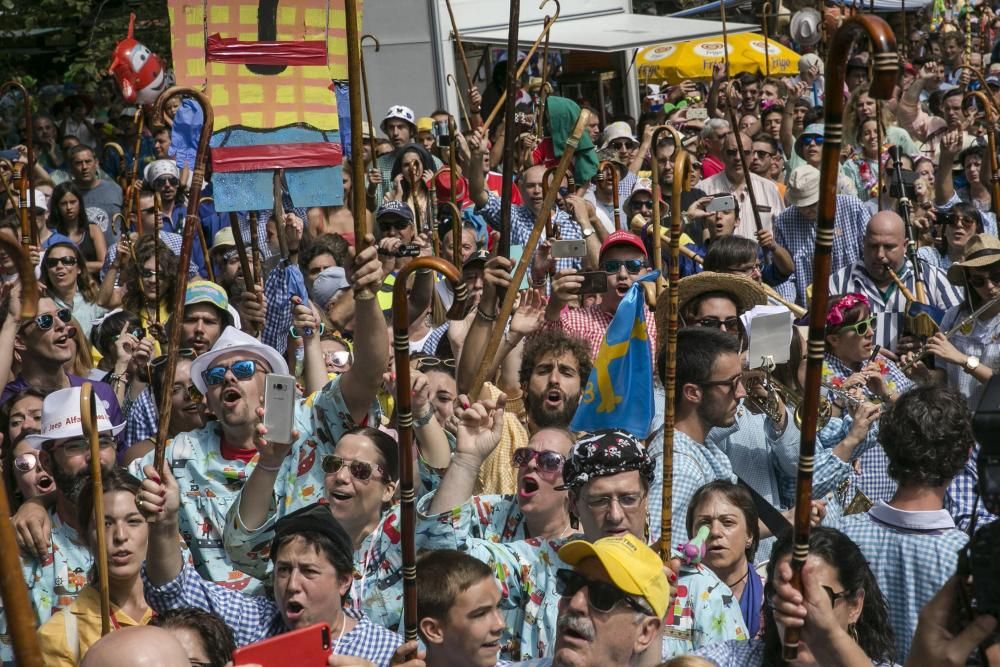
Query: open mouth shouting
x=294, y=611
x=554, y=399
x=528, y=487
x=231, y=397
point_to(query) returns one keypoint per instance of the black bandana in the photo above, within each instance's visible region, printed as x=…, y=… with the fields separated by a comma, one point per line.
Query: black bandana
x=603, y=453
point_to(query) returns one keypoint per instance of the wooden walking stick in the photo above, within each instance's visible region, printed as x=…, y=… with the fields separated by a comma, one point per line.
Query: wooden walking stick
x=258, y=256
x=249, y=281
x=450, y=79
x=616, y=205
x=24, y=216
x=28, y=144
x=156, y=255
x=456, y=233
x=682, y=181
x=456, y=223
x=88, y=416
x=191, y=226
x=461, y=49
x=991, y=137
x=658, y=196
x=368, y=101
x=357, y=142
x=493, y=343
x=510, y=141
x=886, y=64
x=117, y=149
x=543, y=90
x=21, y=626
x=404, y=416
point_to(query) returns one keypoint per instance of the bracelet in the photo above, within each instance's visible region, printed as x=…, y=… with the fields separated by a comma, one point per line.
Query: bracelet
x=293, y=331
x=424, y=420
x=261, y=466
x=482, y=313
x=115, y=378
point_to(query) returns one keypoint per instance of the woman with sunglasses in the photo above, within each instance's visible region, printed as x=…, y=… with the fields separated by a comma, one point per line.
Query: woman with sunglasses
x=69, y=284
x=336, y=353
x=851, y=365
x=68, y=216
x=842, y=613
x=966, y=360
x=69, y=633
x=23, y=476
x=957, y=226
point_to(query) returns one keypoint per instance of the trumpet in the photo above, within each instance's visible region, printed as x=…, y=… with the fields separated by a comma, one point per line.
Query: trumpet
x=778, y=394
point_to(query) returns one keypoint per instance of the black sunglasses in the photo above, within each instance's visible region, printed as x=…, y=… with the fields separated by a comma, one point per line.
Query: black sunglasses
x=730, y=324
x=601, y=595
x=980, y=280
x=612, y=266
x=53, y=262
x=395, y=223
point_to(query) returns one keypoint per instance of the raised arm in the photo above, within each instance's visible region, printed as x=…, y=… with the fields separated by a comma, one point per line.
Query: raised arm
x=496, y=277
x=477, y=179
x=371, y=350
x=159, y=501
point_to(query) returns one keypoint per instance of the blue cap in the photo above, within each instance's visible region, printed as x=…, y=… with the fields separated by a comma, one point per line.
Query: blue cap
x=396, y=208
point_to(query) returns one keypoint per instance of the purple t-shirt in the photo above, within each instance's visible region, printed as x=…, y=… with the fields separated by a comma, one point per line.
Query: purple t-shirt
x=103, y=390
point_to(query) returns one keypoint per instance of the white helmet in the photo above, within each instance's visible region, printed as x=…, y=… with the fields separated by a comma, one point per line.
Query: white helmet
x=402, y=113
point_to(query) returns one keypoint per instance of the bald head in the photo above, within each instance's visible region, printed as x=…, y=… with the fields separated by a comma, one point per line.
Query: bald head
x=530, y=183
x=886, y=223
x=884, y=246
x=142, y=646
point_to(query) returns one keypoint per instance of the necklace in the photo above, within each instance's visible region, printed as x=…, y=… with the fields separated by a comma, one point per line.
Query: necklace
x=745, y=574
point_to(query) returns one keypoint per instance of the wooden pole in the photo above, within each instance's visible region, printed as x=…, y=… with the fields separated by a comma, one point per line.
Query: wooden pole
x=191, y=226
x=510, y=141
x=658, y=196
x=258, y=256
x=23, y=210
x=493, y=344
x=682, y=180
x=461, y=49
x=88, y=415
x=456, y=223
x=991, y=137
x=461, y=103
x=886, y=65
x=404, y=423
x=29, y=144
x=368, y=105
x=357, y=143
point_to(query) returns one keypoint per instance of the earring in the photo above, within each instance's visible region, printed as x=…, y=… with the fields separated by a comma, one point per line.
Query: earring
x=852, y=630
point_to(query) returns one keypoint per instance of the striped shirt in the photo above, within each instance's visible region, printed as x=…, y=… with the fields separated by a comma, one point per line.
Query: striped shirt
x=890, y=306
x=797, y=235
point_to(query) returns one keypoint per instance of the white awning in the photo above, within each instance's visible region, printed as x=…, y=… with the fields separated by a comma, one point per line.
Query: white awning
x=605, y=32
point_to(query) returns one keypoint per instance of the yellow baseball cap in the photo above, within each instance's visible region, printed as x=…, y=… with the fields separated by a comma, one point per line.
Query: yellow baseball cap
x=632, y=566
x=425, y=124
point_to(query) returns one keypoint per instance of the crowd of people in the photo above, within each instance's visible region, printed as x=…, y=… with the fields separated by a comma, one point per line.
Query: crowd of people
x=537, y=542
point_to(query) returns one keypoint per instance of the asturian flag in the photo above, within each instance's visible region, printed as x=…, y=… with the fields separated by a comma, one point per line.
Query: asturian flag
x=619, y=392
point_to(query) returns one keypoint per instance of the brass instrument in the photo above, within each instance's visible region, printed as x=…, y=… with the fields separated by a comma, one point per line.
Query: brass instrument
x=797, y=310
x=778, y=393
x=972, y=317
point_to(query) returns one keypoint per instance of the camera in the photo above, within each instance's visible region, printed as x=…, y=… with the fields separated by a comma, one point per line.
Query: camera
x=902, y=184
x=442, y=137
x=945, y=216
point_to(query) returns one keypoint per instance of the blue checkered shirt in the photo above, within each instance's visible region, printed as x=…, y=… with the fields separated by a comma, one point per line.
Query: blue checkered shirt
x=911, y=554
x=960, y=498
x=522, y=220
x=255, y=618
x=746, y=654
x=141, y=418
x=890, y=307
x=798, y=236
x=279, y=308
x=434, y=339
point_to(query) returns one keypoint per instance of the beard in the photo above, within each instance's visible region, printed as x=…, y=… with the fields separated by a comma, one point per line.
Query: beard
x=69, y=484
x=715, y=413
x=544, y=417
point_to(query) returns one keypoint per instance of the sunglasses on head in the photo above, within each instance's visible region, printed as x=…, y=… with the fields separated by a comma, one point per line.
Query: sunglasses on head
x=547, y=462
x=184, y=353
x=241, y=370
x=360, y=470
x=601, y=595
x=45, y=321
x=861, y=328
x=979, y=280
x=433, y=362
x=26, y=462
x=633, y=266
x=53, y=262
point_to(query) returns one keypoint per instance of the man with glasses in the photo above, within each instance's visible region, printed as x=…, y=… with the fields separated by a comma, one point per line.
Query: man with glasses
x=761, y=159
x=611, y=605
x=795, y=229
x=164, y=178
x=733, y=180
x=58, y=572
x=884, y=250
x=211, y=464
x=623, y=258
x=45, y=346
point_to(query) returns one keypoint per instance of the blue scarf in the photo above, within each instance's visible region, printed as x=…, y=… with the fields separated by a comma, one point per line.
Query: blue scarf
x=752, y=600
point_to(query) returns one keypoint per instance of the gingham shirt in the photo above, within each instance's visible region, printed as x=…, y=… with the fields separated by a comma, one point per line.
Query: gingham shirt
x=980, y=339
x=434, y=339
x=890, y=307
x=172, y=241
x=522, y=220
x=911, y=554
x=961, y=496
x=591, y=325
x=255, y=618
x=746, y=654
x=798, y=236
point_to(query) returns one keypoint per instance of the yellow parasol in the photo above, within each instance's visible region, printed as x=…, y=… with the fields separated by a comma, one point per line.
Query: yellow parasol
x=694, y=59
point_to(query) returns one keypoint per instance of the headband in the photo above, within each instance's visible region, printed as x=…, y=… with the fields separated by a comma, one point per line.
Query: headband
x=835, y=317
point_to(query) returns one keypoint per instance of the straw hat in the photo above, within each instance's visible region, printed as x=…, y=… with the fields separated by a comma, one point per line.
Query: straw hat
x=981, y=250
x=746, y=292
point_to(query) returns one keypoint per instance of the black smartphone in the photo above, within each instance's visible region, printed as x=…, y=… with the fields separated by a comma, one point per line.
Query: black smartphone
x=594, y=282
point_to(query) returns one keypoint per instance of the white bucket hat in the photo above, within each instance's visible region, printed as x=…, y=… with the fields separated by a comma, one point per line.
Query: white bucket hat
x=619, y=130
x=803, y=186
x=400, y=112
x=158, y=168
x=61, y=418
x=234, y=340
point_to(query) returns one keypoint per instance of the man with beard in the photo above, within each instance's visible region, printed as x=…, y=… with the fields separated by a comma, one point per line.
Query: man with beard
x=225, y=259
x=623, y=258
x=607, y=476
x=57, y=575
x=211, y=464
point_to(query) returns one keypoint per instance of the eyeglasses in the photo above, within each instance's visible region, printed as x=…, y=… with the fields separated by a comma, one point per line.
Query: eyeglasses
x=861, y=328
x=360, y=470
x=964, y=221
x=45, y=321
x=601, y=595
x=809, y=141
x=979, y=280
x=762, y=154
x=53, y=262
x=242, y=370
x=184, y=353
x=433, y=362
x=612, y=266
x=190, y=391
x=81, y=446
x=842, y=595
x=620, y=145
x=746, y=270
x=25, y=462
x=732, y=384
x=147, y=273
x=338, y=358
x=547, y=462
x=627, y=501
x=730, y=324
x=643, y=203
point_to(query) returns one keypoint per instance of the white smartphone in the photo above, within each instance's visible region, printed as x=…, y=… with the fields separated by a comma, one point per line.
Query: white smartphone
x=279, y=407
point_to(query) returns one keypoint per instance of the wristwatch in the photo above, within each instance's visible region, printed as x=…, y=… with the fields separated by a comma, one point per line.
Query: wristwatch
x=587, y=233
x=971, y=364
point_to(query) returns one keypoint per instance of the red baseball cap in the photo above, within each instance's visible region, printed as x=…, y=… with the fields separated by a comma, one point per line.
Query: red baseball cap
x=621, y=237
